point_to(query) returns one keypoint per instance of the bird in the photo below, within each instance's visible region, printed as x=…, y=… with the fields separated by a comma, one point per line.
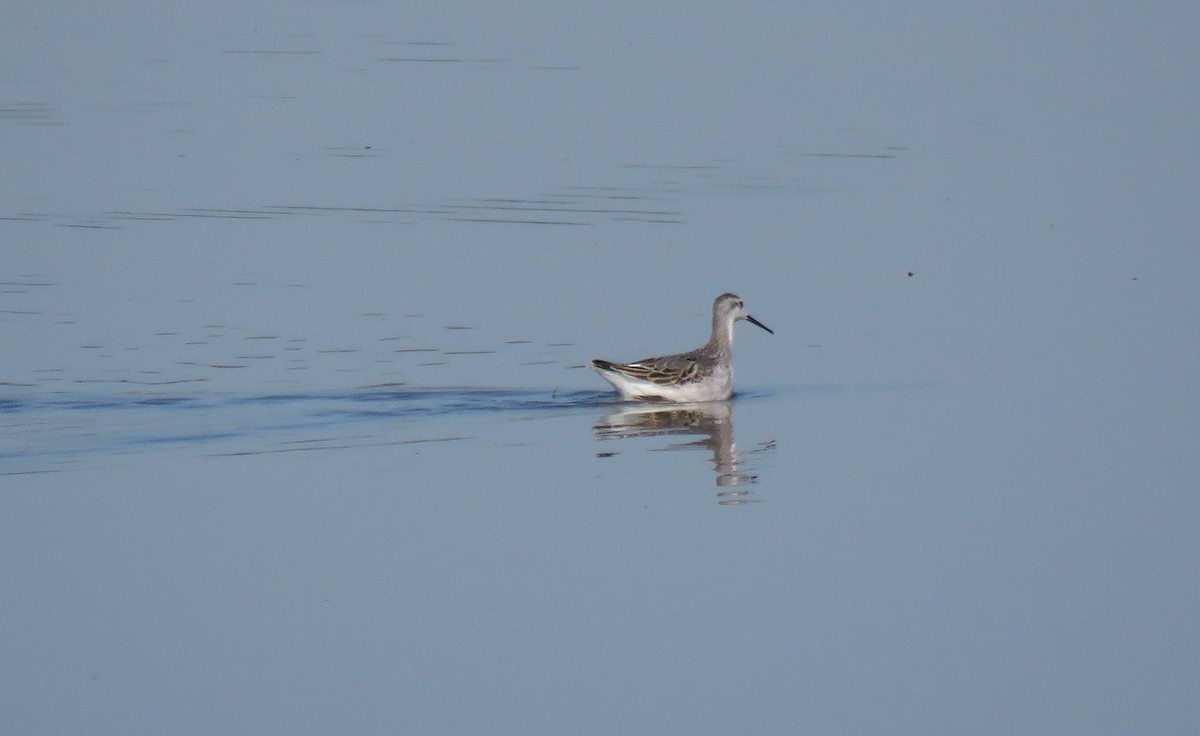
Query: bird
x=703, y=374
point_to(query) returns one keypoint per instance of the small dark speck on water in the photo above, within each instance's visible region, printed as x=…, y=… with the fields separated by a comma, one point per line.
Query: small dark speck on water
x=605, y=454
x=910, y=274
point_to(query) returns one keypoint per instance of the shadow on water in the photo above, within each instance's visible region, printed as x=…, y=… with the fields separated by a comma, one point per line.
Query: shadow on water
x=42, y=433
x=710, y=423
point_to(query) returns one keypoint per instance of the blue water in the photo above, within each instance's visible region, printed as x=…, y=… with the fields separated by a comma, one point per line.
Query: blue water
x=296, y=429
x=47, y=431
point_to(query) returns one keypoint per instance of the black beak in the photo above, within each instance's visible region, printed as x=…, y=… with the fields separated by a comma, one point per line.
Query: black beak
x=753, y=321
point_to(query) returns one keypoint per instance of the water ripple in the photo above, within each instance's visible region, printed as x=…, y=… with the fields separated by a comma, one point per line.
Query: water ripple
x=46, y=432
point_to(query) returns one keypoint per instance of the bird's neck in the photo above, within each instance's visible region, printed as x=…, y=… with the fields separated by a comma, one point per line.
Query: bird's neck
x=721, y=341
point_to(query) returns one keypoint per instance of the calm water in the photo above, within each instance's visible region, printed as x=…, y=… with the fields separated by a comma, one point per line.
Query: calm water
x=296, y=434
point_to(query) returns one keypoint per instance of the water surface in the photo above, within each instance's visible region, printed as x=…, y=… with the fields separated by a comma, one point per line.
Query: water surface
x=296, y=434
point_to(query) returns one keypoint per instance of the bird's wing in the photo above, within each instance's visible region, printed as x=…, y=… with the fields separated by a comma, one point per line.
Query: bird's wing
x=669, y=370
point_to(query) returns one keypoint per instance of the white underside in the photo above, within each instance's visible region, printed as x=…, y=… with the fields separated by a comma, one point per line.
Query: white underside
x=717, y=386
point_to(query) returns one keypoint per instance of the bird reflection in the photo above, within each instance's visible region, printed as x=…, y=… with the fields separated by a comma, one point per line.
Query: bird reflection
x=712, y=422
